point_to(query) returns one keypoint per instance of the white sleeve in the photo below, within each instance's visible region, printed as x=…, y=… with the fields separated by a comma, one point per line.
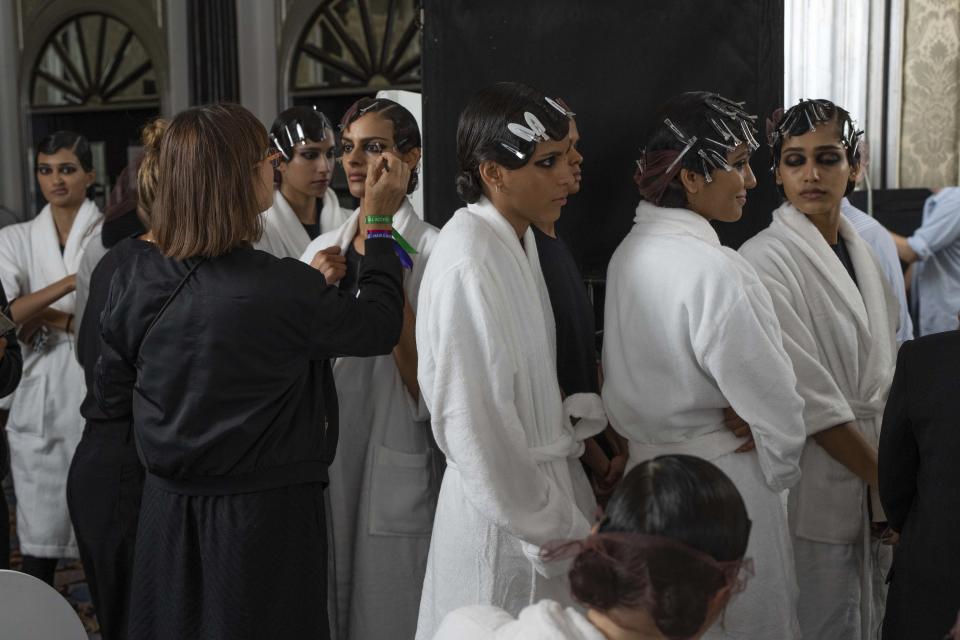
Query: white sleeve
x=467, y=379
x=13, y=261
x=824, y=404
x=746, y=358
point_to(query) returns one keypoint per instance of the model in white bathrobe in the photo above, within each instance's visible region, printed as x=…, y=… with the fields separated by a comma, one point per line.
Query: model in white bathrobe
x=385, y=477
x=841, y=337
x=545, y=620
x=283, y=233
x=688, y=331
x=45, y=425
x=485, y=340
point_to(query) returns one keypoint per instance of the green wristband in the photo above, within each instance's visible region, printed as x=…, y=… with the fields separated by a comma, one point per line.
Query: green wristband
x=378, y=219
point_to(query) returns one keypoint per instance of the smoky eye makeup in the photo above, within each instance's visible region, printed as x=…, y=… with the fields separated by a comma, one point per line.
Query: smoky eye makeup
x=828, y=157
x=547, y=162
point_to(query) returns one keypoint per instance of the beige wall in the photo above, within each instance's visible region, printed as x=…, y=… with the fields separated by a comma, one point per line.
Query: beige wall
x=929, y=143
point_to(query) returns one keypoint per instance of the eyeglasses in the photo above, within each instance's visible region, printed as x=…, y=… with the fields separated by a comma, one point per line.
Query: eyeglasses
x=273, y=156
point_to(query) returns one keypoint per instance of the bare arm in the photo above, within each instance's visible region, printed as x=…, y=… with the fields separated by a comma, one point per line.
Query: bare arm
x=405, y=353
x=845, y=445
x=904, y=251
x=26, y=307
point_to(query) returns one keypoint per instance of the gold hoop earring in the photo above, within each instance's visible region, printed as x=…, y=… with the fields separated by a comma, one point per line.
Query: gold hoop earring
x=499, y=188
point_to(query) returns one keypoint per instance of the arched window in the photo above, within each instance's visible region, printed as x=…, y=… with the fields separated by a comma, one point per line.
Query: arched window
x=93, y=60
x=357, y=47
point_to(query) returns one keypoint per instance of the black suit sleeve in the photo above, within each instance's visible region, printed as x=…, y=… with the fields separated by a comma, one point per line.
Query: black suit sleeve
x=11, y=366
x=899, y=454
x=370, y=324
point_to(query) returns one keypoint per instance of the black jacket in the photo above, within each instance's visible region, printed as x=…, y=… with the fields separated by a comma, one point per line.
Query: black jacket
x=920, y=487
x=11, y=367
x=233, y=388
x=88, y=334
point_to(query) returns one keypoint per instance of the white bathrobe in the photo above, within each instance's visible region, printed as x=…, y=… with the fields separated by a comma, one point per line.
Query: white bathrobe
x=45, y=425
x=689, y=330
x=841, y=337
x=487, y=371
x=283, y=233
x=385, y=477
x=545, y=620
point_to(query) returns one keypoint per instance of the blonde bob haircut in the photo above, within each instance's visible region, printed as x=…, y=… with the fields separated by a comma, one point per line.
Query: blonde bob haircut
x=205, y=202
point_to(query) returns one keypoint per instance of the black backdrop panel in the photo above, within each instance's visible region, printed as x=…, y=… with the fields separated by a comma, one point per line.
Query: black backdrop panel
x=614, y=62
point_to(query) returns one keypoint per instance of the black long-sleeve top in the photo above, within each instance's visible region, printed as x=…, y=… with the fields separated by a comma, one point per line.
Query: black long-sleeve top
x=11, y=367
x=88, y=334
x=232, y=389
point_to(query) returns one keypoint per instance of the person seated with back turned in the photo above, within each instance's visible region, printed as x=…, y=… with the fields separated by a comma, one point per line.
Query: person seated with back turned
x=662, y=563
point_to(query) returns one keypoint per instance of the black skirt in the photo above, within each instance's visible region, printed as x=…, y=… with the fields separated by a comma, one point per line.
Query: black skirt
x=238, y=566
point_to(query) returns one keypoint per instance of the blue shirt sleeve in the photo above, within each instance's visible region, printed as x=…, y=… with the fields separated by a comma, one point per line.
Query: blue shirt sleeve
x=941, y=224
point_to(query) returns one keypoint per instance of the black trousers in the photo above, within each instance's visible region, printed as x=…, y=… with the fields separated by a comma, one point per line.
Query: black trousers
x=245, y=566
x=104, y=488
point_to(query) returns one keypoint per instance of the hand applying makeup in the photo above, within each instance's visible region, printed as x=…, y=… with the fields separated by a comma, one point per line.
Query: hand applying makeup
x=386, y=187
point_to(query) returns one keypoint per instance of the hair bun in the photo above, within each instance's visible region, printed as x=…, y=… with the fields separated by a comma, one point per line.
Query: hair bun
x=152, y=134
x=468, y=186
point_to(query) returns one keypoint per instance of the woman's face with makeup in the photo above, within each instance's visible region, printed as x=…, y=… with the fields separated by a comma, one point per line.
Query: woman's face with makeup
x=574, y=157
x=814, y=171
x=362, y=144
x=63, y=180
x=724, y=197
x=537, y=191
x=308, y=171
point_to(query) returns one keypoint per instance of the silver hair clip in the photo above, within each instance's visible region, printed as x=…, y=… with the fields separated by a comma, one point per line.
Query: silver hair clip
x=748, y=136
x=719, y=160
x=559, y=107
x=373, y=104
x=276, y=145
x=810, y=122
x=682, y=137
x=722, y=145
x=533, y=132
x=725, y=133
x=520, y=155
x=703, y=163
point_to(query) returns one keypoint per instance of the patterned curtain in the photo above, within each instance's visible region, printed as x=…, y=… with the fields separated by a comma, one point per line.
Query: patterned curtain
x=929, y=143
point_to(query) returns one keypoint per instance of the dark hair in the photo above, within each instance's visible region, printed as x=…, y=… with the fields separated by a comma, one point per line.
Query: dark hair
x=482, y=131
x=75, y=142
x=206, y=202
x=313, y=125
x=691, y=519
x=716, y=122
x=804, y=117
x=406, y=132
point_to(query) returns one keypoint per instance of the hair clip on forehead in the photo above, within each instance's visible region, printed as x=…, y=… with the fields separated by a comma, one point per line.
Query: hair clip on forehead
x=560, y=106
x=533, y=132
x=372, y=105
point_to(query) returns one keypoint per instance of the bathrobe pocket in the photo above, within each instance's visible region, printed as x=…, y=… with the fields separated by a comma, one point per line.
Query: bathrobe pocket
x=402, y=501
x=29, y=406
